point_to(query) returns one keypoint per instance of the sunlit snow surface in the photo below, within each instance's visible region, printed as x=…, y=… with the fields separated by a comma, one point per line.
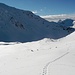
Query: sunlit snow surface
x=43, y=57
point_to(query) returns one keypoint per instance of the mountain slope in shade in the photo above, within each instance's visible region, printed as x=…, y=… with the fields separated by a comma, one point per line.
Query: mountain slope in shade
x=24, y=26
x=66, y=22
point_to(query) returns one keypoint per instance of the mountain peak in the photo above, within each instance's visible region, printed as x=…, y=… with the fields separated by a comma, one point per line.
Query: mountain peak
x=24, y=26
x=3, y=5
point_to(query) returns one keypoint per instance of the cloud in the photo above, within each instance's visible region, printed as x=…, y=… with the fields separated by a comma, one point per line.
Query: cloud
x=35, y=12
x=53, y=16
x=41, y=9
x=58, y=17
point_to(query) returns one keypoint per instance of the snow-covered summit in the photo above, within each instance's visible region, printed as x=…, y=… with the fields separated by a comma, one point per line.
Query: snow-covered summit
x=24, y=26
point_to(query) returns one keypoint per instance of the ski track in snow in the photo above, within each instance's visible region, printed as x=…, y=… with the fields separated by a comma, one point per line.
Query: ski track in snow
x=46, y=66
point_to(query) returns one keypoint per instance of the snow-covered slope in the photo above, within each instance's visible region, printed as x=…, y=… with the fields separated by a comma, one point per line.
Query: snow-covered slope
x=24, y=26
x=43, y=57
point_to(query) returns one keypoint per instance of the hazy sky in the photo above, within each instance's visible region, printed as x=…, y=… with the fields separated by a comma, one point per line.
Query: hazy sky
x=44, y=7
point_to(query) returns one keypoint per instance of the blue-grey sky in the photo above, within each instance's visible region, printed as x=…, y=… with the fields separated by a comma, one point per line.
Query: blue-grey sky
x=44, y=7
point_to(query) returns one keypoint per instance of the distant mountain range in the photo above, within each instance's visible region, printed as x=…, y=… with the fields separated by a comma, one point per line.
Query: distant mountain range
x=24, y=26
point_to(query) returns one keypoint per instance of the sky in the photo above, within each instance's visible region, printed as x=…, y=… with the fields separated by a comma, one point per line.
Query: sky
x=44, y=7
